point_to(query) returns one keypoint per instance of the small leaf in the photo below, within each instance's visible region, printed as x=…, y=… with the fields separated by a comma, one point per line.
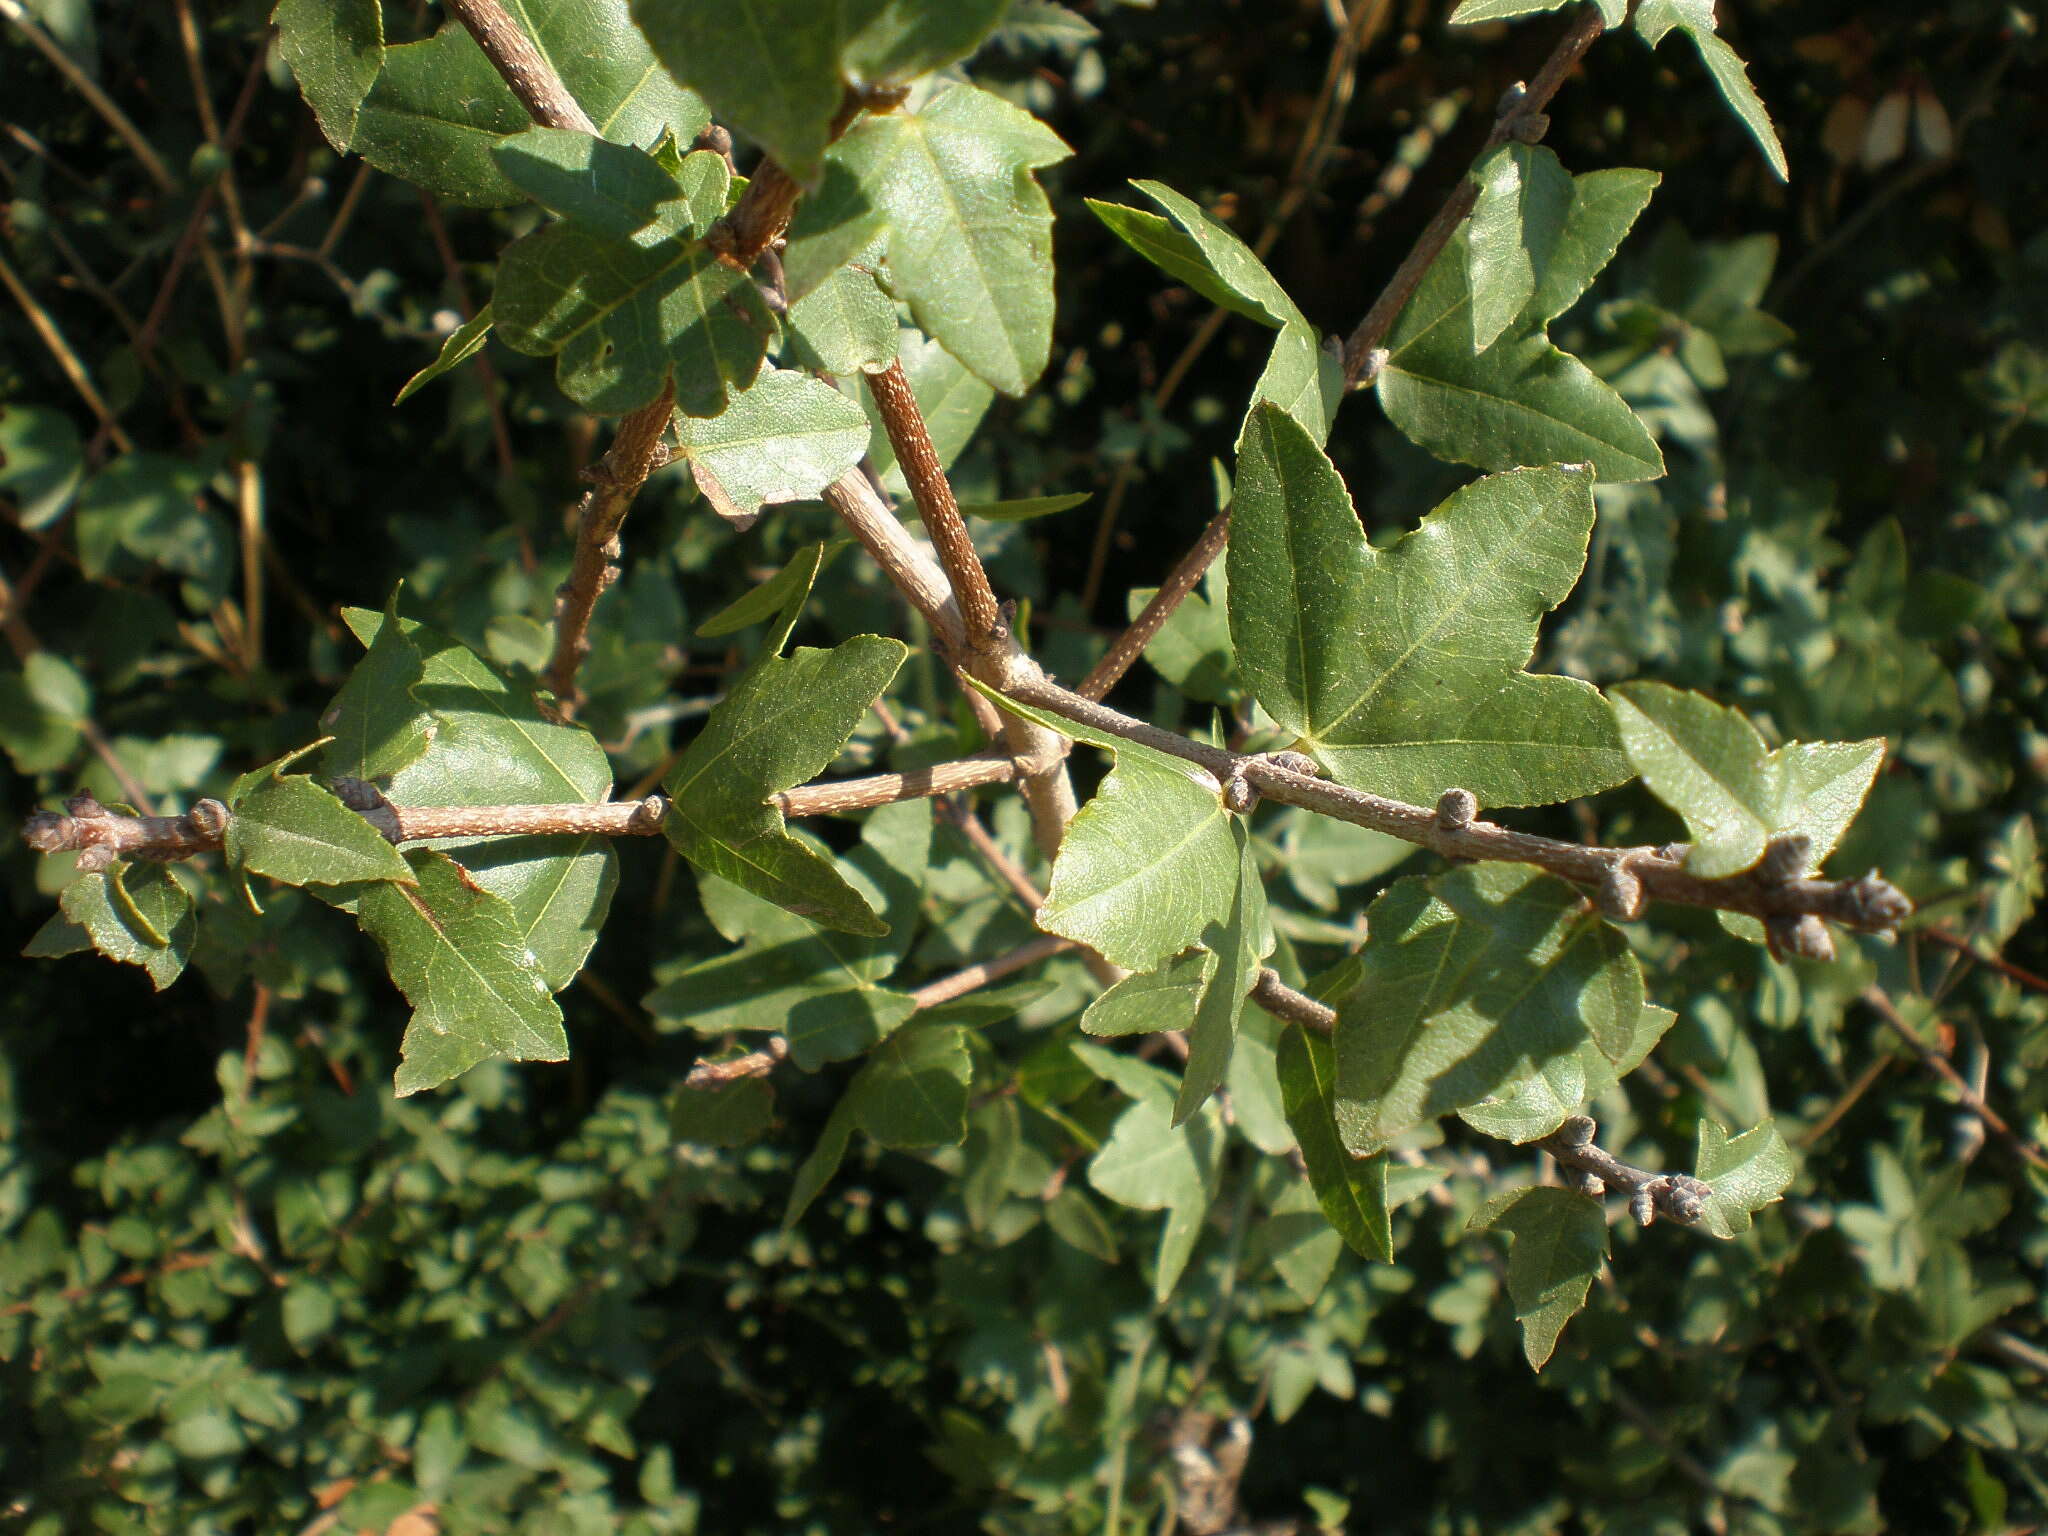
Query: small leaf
x=1240, y=941
x=376, y=723
x=463, y=343
x=42, y=463
x=1159, y=999
x=1351, y=1191
x=1150, y=863
x=138, y=914
x=1024, y=508
x=780, y=597
x=786, y=438
x=968, y=229
x=1560, y=1244
x=459, y=956
x=1149, y=1164
x=1524, y=197
x=1471, y=980
x=911, y=1092
x=1710, y=765
x=1399, y=669
x=778, y=727
x=1747, y=1173
x=437, y=108
x=734, y=1115
x=1520, y=401
x=820, y=1168
x=1695, y=18
x=294, y=831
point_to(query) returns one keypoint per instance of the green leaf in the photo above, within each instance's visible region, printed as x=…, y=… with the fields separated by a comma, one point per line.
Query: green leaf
x=137, y=914
x=1695, y=18
x=335, y=49
x=911, y=1092
x=1524, y=197
x=1540, y=1101
x=486, y=743
x=778, y=727
x=621, y=305
x=1240, y=941
x=774, y=69
x=463, y=343
x=42, y=463
x=1024, y=508
x=42, y=708
x=967, y=228
x=1300, y=376
x=819, y=1169
x=1192, y=649
x=459, y=955
x=1352, y=1191
x=1150, y=863
x=376, y=724
x=735, y=1115
x=1256, y=1110
x=148, y=505
x=1560, y=1244
x=844, y=325
x=1150, y=1164
x=780, y=597
x=1159, y=999
x=432, y=111
x=1521, y=400
x=1710, y=765
x=1746, y=1173
x=292, y=830
x=1399, y=670
x=785, y=439
x=1472, y=980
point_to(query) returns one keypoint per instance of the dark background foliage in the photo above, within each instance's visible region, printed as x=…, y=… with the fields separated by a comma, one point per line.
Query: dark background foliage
x=239, y=1284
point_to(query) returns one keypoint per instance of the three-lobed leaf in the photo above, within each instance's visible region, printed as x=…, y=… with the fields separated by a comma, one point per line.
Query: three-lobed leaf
x=1471, y=980
x=1400, y=670
x=778, y=727
x=459, y=955
x=1520, y=400
x=1708, y=763
x=1747, y=1173
x=1560, y=1243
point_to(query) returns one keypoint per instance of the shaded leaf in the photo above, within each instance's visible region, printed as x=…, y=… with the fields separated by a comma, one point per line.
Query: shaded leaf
x=1695, y=18
x=1351, y=1191
x=1472, y=980
x=735, y=1115
x=1541, y=1100
x=1240, y=942
x=911, y=1092
x=1399, y=670
x=1520, y=401
x=780, y=597
x=1560, y=1244
x=951, y=398
x=1024, y=508
x=1150, y=1164
x=463, y=343
x=1164, y=998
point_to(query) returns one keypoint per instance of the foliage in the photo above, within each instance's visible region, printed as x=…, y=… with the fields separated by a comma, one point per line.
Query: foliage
x=299, y=1243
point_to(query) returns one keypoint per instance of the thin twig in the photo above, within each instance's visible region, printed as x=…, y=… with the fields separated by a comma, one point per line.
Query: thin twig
x=1676, y=1197
x=636, y=452
x=96, y=98
x=68, y=361
x=1943, y=1068
x=1180, y=581
x=904, y=558
x=1998, y=963
x=961, y=982
x=1521, y=119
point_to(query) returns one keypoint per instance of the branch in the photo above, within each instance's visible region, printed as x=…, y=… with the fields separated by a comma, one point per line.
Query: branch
x=904, y=558
x=1180, y=581
x=933, y=493
x=1622, y=879
x=1676, y=1197
x=99, y=836
x=1939, y=1064
x=961, y=982
x=532, y=78
x=1520, y=117
x=764, y=210
x=636, y=452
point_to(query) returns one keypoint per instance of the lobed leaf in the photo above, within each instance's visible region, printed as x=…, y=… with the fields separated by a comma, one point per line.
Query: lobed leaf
x=1709, y=764
x=138, y=914
x=459, y=955
x=1747, y=1173
x=1520, y=400
x=1560, y=1244
x=1399, y=670
x=778, y=727
x=1472, y=980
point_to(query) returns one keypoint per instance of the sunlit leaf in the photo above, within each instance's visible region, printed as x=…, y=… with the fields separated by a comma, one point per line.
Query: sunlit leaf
x=1747, y=1172
x=1560, y=1244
